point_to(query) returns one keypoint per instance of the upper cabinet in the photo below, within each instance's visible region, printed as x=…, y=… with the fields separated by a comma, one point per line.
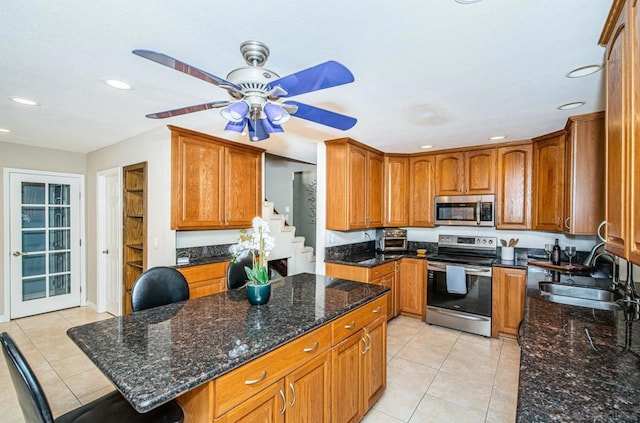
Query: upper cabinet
x=513, y=190
x=548, y=182
x=355, y=174
x=421, y=190
x=468, y=172
x=621, y=35
x=214, y=183
x=584, y=174
x=396, y=190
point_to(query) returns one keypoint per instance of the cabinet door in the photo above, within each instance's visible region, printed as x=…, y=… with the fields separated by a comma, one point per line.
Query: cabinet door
x=374, y=359
x=513, y=193
x=375, y=189
x=388, y=280
x=206, y=279
x=634, y=197
x=548, y=183
x=617, y=55
x=268, y=406
x=346, y=380
x=480, y=171
x=421, y=190
x=197, y=183
x=396, y=191
x=243, y=189
x=308, y=391
x=356, y=185
x=412, y=286
x=450, y=174
x=509, y=289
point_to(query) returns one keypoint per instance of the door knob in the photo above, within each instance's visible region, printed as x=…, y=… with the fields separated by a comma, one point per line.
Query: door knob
x=105, y=251
x=19, y=253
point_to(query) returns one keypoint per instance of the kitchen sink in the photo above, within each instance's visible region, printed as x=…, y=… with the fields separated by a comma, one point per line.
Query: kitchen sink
x=581, y=296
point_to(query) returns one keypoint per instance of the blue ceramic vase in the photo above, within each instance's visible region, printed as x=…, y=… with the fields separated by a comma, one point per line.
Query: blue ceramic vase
x=258, y=294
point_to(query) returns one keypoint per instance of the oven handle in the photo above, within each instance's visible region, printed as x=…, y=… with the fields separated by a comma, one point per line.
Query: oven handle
x=478, y=209
x=461, y=316
x=469, y=270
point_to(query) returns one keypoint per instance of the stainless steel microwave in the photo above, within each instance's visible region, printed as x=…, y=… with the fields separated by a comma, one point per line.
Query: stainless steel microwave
x=465, y=210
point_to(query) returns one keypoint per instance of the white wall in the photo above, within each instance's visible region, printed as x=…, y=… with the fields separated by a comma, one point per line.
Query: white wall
x=278, y=182
x=33, y=158
x=153, y=147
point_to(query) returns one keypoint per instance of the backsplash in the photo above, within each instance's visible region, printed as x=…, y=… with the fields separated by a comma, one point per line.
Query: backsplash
x=207, y=251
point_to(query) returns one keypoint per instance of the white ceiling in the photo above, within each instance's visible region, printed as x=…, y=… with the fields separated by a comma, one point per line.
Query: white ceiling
x=426, y=72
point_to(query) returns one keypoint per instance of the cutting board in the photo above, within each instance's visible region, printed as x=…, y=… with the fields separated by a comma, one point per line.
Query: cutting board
x=563, y=267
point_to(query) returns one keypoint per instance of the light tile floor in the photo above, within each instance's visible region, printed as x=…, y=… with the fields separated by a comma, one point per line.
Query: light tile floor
x=434, y=374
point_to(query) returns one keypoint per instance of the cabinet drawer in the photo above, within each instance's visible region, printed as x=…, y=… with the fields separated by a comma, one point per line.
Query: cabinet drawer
x=205, y=271
x=353, y=321
x=235, y=387
x=378, y=271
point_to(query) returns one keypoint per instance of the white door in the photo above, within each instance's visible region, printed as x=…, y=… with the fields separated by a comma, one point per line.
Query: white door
x=45, y=242
x=109, y=241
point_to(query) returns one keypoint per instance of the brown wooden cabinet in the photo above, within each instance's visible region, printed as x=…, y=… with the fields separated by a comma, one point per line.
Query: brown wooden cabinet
x=621, y=36
x=374, y=360
x=134, y=229
x=466, y=172
x=584, y=174
x=509, y=290
x=396, y=190
x=214, y=183
x=354, y=185
x=206, y=279
x=513, y=190
x=412, y=287
x=265, y=406
x=385, y=275
x=421, y=190
x=308, y=391
x=548, y=182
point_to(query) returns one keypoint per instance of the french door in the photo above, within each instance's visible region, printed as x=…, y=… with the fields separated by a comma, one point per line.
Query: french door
x=45, y=222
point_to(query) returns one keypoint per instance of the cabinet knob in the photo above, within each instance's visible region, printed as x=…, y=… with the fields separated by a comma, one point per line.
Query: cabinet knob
x=566, y=222
x=376, y=310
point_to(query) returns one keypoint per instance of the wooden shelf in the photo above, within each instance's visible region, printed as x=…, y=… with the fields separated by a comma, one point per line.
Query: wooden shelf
x=136, y=264
x=136, y=246
x=562, y=266
x=134, y=208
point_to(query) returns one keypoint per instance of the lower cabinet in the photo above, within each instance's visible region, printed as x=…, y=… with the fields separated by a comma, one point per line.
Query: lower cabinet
x=206, y=279
x=509, y=290
x=333, y=374
x=412, y=287
x=359, y=372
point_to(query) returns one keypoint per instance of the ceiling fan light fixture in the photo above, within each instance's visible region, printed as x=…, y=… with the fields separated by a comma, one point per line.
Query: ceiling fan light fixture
x=236, y=126
x=235, y=112
x=276, y=114
x=271, y=127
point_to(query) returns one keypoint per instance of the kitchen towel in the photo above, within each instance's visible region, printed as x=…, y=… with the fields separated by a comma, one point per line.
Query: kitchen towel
x=456, y=280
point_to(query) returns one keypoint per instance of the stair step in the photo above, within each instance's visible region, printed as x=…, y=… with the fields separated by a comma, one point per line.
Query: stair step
x=276, y=217
x=298, y=239
x=306, y=249
x=288, y=229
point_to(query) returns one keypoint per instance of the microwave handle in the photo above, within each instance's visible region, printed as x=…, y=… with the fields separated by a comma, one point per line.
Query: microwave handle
x=478, y=209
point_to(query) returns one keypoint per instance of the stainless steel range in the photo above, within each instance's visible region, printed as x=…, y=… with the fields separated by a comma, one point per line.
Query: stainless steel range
x=459, y=280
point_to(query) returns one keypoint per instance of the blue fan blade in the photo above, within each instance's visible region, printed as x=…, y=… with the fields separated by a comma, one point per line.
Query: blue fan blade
x=322, y=116
x=176, y=64
x=325, y=75
x=237, y=127
x=257, y=132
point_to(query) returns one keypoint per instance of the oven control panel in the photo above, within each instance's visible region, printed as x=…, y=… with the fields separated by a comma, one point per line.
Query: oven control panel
x=468, y=241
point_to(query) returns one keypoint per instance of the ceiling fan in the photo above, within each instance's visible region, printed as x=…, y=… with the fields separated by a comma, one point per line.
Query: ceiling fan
x=256, y=91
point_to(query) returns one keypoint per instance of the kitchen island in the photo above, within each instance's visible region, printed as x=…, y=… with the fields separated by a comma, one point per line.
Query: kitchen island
x=577, y=364
x=216, y=353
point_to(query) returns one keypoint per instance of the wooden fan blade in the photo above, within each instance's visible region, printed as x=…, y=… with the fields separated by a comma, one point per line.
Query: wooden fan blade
x=188, y=109
x=176, y=64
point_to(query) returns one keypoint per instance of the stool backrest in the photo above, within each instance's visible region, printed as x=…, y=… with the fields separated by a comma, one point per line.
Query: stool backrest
x=236, y=275
x=158, y=286
x=33, y=402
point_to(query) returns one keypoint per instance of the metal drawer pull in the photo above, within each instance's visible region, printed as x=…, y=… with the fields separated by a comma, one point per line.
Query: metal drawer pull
x=364, y=341
x=284, y=402
x=315, y=347
x=254, y=381
x=350, y=325
x=370, y=341
x=376, y=310
x=293, y=391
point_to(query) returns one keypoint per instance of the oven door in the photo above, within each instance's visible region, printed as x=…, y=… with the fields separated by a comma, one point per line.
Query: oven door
x=393, y=244
x=476, y=300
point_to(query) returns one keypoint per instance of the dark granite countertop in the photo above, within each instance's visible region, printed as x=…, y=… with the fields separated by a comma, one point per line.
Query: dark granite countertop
x=372, y=258
x=155, y=355
x=562, y=378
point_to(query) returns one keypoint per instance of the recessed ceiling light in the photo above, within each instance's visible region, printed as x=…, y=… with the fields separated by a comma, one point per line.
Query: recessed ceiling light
x=467, y=1
x=570, y=106
x=497, y=138
x=24, y=101
x=425, y=147
x=584, y=71
x=121, y=85
x=4, y=130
